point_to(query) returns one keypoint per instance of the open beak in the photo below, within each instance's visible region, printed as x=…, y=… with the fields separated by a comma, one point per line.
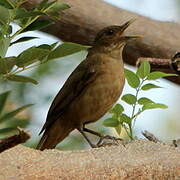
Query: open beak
x=132, y=37
x=125, y=26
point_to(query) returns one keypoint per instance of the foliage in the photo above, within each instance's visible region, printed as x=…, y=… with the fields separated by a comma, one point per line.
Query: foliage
x=139, y=81
x=29, y=20
x=9, y=121
x=11, y=11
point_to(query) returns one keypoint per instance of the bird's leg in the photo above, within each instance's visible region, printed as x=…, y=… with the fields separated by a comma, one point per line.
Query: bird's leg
x=102, y=137
x=92, y=132
x=87, y=139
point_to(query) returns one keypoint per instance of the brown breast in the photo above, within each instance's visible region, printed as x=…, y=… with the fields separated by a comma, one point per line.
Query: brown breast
x=100, y=95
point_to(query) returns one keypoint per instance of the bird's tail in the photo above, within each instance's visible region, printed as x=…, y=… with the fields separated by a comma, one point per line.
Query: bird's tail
x=53, y=135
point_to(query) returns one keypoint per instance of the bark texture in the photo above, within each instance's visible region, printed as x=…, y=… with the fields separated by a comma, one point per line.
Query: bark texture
x=140, y=160
x=14, y=140
x=81, y=22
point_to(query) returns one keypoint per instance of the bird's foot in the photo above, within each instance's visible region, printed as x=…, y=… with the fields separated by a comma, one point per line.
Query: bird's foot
x=94, y=146
x=111, y=140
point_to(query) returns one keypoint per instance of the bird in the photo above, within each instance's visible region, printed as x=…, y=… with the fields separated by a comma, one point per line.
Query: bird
x=91, y=89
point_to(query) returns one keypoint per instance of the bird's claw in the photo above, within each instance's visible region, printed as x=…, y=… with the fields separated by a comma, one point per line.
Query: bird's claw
x=94, y=146
x=113, y=142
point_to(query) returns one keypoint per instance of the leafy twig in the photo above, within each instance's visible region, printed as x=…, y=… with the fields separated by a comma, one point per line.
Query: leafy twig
x=136, y=81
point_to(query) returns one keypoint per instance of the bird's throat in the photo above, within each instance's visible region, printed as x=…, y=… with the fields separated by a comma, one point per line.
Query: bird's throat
x=113, y=50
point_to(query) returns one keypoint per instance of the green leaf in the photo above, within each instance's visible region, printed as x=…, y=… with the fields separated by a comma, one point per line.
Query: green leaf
x=6, y=4
x=4, y=44
x=12, y=4
x=144, y=100
x=6, y=64
x=6, y=130
x=5, y=30
x=45, y=4
x=17, y=123
x=57, y=7
x=154, y=106
x=21, y=13
x=117, y=109
x=157, y=75
x=144, y=69
x=4, y=15
x=42, y=4
x=31, y=55
x=129, y=99
x=53, y=45
x=47, y=46
x=125, y=118
x=66, y=49
x=23, y=39
x=132, y=79
x=3, y=99
x=149, y=86
x=38, y=24
x=54, y=11
x=16, y=12
x=19, y=78
x=11, y=114
x=111, y=122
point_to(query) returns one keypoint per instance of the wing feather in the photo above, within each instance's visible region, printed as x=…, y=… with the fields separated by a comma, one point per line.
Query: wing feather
x=83, y=75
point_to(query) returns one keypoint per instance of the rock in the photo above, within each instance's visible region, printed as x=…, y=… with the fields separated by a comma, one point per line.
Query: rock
x=140, y=159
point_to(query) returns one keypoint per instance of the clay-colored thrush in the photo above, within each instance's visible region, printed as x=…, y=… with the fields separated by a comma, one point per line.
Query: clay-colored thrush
x=90, y=91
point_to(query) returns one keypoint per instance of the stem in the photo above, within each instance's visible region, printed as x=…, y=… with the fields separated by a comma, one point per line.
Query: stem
x=133, y=115
x=16, y=71
x=134, y=105
x=138, y=113
x=30, y=22
x=11, y=3
x=26, y=68
x=127, y=132
x=131, y=131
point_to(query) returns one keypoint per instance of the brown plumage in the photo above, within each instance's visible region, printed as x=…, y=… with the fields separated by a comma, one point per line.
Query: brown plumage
x=90, y=91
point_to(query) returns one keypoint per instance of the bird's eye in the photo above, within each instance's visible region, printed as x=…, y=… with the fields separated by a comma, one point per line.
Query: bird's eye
x=109, y=32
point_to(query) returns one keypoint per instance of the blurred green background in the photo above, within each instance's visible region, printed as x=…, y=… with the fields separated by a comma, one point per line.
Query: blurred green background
x=165, y=124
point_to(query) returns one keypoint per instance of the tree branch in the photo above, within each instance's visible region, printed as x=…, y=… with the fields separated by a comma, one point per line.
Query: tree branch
x=81, y=22
x=14, y=140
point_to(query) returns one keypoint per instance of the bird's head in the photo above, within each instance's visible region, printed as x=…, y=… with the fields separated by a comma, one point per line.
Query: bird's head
x=112, y=36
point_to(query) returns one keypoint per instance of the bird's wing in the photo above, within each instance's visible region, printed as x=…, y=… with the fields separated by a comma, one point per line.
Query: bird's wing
x=83, y=75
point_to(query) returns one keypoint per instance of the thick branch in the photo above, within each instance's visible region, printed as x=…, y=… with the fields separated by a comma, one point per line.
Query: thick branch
x=14, y=140
x=139, y=159
x=81, y=22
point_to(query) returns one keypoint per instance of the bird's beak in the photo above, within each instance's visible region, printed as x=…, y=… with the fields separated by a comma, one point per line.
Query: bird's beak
x=131, y=37
x=125, y=26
